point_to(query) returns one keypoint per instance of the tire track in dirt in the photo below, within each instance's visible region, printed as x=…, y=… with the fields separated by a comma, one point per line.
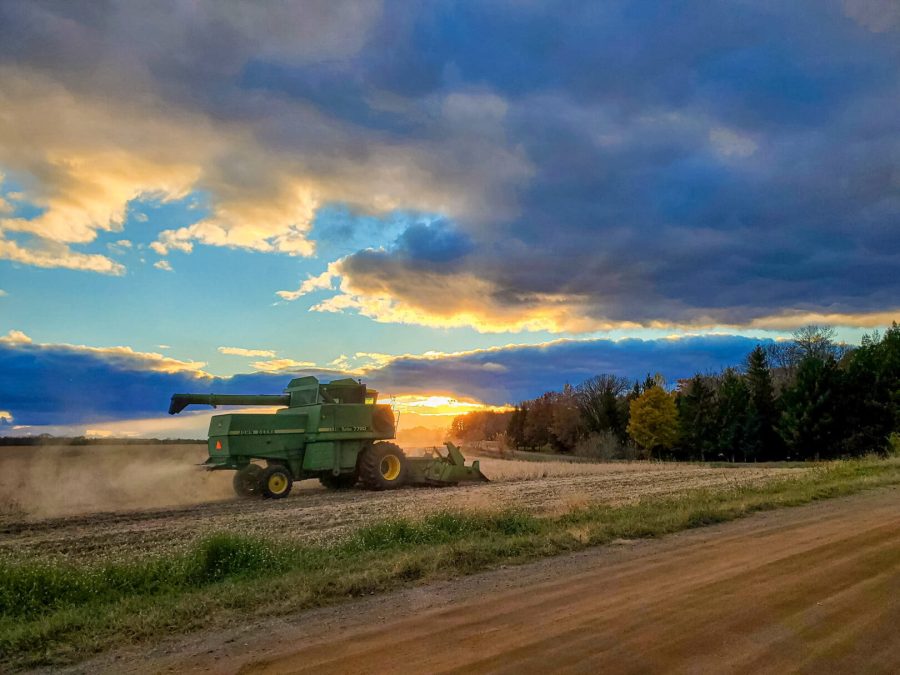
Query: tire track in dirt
x=313, y=514
x=811, y=589
x=820, y=595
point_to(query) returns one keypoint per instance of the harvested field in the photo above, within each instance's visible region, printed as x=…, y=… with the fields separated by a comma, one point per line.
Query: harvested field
x=101, y=488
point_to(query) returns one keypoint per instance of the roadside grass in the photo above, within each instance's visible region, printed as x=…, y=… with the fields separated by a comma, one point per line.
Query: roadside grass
x=53, y=614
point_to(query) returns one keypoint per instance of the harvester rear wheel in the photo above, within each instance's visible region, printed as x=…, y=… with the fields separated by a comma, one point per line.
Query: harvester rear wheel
x=247, y=481
x=382, y=466
x=276, y=482
x=343, y=482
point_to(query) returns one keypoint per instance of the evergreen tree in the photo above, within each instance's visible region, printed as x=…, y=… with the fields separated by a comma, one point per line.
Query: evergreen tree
x=889, y=371
x=655, y=380
x=732, y=401
x=697, y=418
x=810, y=423
x=872, y=387
x=833, y=402
x=762, y=439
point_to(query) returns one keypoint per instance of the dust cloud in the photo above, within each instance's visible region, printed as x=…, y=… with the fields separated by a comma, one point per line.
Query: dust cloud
x=62, y=480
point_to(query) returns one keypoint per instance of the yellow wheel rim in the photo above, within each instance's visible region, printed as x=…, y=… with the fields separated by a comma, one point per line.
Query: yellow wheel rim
x=277, y=483
x=390, y=467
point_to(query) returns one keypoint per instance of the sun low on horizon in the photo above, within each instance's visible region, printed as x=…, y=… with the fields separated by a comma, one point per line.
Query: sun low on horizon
x=462, y=205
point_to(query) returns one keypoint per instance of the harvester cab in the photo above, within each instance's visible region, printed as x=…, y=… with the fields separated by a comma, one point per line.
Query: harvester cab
x=336, y=432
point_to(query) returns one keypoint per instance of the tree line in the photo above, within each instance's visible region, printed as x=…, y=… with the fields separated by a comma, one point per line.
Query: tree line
x=805, y=398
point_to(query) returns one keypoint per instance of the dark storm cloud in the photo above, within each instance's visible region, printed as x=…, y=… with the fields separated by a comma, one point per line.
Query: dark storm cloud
x=511, y=374
x=54, y=385
x=692, y=163
x=62, y=385
x=432, y=242
x=680, y=162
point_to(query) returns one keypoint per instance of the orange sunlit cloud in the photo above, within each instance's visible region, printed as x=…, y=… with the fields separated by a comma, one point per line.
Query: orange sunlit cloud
x=438, y=405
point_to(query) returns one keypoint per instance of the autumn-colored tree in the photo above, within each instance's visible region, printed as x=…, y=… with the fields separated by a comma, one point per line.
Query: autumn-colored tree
x=479, y=425
x=804, y=398
x=567, y=426
x=653, y=422
x=538, y=421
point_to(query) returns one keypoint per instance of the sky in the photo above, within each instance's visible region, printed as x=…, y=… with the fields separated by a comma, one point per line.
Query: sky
x=462, y=204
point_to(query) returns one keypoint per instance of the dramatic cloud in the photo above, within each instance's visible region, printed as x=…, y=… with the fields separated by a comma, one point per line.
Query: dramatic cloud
x=43, y=385
x=122, y=357
x=585, y=166
x=694, y=165
x=510, y=374
x=47, y=384
x=170, y=98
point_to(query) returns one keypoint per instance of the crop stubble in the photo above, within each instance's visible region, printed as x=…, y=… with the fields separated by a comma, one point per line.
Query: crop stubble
x=310, y=514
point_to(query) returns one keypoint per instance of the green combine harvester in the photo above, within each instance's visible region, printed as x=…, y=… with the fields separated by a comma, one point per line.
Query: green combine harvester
x=336, y=432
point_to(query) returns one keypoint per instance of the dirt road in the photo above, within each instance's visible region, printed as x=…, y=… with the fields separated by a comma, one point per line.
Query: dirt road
x=812, y=589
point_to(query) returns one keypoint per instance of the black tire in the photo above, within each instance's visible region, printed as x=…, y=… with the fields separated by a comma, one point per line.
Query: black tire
x=382, y=466
x=247, y=481
x=276, y=482
x=343, y=482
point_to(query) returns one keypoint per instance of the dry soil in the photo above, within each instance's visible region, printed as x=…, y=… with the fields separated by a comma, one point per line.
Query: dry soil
x=813, y=589
x=102, y=488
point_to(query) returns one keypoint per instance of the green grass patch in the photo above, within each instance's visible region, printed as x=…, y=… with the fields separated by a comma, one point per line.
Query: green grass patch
x=53, y=613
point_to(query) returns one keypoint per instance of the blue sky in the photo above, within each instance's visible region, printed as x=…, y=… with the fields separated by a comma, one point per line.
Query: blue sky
x=410, y=191
x=212, y=297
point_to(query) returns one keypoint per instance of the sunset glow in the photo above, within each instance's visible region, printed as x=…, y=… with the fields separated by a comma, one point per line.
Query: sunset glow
x=463, y=204
x=440, y=405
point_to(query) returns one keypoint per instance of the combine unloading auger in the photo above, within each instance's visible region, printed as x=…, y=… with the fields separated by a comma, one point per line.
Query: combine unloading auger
x=181, y=401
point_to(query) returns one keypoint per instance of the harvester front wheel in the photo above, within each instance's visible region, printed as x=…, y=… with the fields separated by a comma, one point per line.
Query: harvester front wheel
x=247, y=481
x=276, y=482
x=382, y=466
x=343, y=482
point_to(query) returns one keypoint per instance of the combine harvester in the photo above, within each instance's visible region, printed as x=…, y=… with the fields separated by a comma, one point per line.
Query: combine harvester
x=335, y=432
